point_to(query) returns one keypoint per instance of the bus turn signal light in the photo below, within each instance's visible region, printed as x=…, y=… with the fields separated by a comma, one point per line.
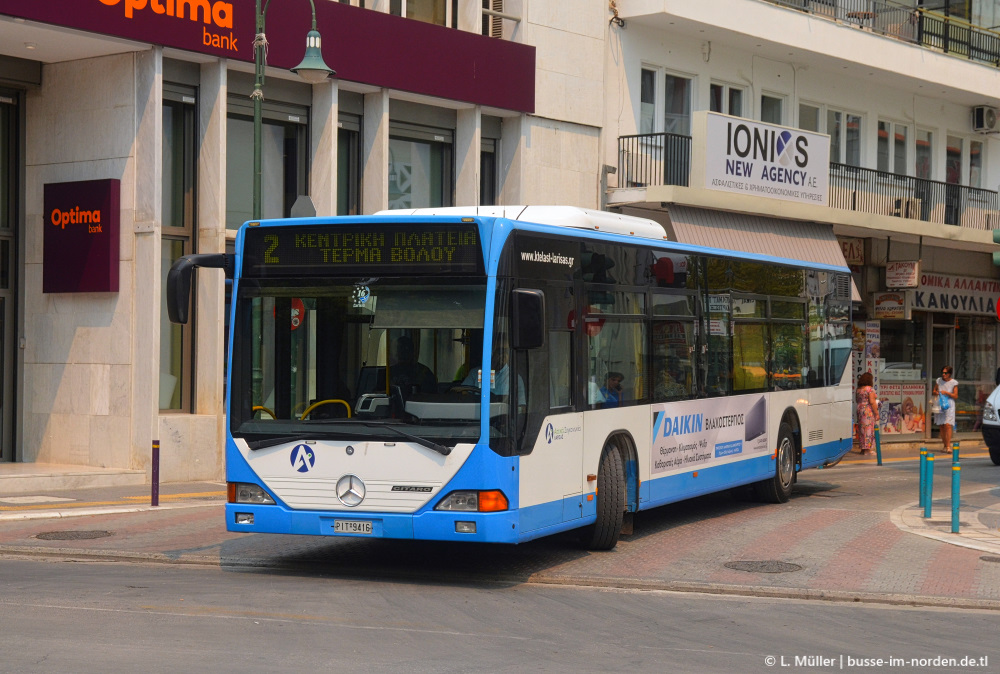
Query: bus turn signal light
x=492, y=501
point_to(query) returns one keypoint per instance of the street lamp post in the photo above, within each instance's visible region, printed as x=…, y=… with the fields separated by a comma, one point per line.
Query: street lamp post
x=312, y=69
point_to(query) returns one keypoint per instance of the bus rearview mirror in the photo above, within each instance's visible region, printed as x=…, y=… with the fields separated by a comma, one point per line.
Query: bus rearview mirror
x=527, y=318
x=179, y=281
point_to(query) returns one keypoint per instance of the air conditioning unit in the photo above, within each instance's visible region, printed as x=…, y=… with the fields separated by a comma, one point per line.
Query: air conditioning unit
x=984, y=119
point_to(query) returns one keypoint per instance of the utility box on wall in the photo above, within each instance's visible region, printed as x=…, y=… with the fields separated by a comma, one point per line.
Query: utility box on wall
x=80, y=243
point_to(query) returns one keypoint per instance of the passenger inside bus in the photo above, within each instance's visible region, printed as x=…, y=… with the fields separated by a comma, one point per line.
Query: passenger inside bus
x=411, y=376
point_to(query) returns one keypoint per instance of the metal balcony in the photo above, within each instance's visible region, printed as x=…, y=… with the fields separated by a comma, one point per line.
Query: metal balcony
x=933, y=30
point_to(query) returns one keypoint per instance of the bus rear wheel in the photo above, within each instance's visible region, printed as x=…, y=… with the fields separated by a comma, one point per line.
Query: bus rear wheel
x=778, y=489
x=603, y=534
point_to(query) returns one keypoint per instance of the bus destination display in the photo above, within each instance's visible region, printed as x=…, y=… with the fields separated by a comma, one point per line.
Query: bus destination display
x=323, y=250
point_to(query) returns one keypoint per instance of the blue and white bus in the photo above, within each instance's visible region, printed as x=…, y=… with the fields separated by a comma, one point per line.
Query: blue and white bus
x=373, y=361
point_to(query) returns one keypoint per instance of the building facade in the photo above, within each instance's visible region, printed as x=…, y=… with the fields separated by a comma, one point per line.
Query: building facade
x=145, y=107
x=904, y=95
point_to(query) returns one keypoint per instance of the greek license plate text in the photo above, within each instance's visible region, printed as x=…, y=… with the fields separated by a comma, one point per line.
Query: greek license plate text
x=351, y=527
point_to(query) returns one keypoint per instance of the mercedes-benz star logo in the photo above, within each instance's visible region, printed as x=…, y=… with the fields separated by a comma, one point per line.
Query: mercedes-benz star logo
x=350, y=490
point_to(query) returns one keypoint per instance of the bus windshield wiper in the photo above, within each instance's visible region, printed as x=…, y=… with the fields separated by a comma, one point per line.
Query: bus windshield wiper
x=282, y=439
x=429, y=444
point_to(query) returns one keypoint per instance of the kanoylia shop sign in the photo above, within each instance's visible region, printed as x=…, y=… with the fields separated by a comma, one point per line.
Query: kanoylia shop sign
x=956, y=294
x=80, y=240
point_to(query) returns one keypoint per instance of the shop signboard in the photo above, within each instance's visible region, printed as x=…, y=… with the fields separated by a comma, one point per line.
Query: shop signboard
x=766, y=160
x=902, y=274
x=853, y=249
x=890, y=305
x=80, y=240
x=956, y=294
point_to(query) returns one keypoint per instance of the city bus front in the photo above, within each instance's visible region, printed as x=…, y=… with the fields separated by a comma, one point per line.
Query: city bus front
x=358, y=404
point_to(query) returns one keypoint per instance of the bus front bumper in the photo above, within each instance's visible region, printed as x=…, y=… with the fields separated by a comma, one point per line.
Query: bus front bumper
x=498, y=527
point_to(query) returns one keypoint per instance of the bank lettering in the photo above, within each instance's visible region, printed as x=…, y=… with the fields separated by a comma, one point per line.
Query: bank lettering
x=215, y=15
x=75, y=216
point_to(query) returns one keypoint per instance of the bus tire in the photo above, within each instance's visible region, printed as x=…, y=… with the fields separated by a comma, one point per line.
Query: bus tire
x=778, y=489
x=603, y=533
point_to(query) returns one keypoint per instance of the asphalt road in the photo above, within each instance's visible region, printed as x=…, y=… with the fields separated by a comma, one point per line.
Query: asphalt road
x=107, y=618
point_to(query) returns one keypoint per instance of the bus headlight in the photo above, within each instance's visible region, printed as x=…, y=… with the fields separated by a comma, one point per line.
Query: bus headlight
x=989, y=412
x=474, y=501
x=245, y=492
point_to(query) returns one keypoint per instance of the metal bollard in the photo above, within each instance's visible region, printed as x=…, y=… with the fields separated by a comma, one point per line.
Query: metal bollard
x=954, y=451
x=154, y=496
x=878, y=447
x=929, y=486
x=923, y=476
x=956, y=496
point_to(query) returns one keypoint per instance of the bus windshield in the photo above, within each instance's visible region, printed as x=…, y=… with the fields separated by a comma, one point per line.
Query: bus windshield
x=367, y=358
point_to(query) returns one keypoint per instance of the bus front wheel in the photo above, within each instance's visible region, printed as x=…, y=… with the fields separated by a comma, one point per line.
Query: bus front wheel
x=603, y=534
x=778, y=489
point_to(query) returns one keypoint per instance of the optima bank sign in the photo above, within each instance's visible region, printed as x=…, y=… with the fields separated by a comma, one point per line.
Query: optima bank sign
x=766, y=160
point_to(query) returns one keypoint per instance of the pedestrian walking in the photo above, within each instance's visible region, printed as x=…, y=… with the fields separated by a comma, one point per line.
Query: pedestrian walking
x=946, y=392
x=867, y=403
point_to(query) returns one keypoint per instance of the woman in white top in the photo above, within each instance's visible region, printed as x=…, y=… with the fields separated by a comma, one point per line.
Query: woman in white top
x=947, y=387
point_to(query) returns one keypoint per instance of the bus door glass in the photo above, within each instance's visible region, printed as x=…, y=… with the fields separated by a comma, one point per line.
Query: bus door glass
x=675, y=345
x=614, y=327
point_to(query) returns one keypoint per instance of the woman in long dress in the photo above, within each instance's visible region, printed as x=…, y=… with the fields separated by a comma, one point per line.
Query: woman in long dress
x=867, y=411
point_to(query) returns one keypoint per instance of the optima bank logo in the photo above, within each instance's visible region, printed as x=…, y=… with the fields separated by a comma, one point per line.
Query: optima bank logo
x=216, y=14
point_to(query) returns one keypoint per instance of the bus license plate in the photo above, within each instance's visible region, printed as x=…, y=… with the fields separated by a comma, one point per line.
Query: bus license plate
x=351, y=527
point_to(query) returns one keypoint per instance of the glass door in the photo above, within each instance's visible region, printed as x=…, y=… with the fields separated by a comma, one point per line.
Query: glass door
x=8, y=229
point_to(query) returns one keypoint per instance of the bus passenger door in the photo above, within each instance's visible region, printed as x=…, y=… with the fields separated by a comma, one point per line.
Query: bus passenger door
x=551, y=433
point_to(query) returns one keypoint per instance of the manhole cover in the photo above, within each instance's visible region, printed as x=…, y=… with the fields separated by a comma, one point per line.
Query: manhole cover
x=73, y=535
x=765, y=566
x=990, y=558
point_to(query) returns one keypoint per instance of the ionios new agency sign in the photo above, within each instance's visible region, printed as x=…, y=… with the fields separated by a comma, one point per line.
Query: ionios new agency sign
x=766, y=160
x=80, y=240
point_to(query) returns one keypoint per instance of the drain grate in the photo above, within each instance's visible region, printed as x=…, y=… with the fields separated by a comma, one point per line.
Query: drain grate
x=990, y=558
x=763, y=566
x=73, y=535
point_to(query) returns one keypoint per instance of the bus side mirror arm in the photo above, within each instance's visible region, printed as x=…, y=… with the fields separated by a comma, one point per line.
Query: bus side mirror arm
x=179, y=281
x=527, y=314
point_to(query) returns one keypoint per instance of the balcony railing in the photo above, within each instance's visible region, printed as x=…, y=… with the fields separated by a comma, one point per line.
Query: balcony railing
x=665, y=159
x=654, y=159
x=941, y=32
x=869, y=191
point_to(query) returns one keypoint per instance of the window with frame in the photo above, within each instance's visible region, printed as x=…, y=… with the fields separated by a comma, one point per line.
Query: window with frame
x=421, y=166
x=179, y=163
x=647, y=101
x=892, y=148
x=439, y=12
x=923, y=161
x=845, y=137
x=809, y=117
x=976, y=163
x=771, y=108
x=349, y=165
x=677, y=104
x=284, y=160
x=725, y=98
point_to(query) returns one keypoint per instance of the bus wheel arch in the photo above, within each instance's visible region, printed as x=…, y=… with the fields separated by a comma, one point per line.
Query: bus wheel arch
x=614, y=492
x=778, y=487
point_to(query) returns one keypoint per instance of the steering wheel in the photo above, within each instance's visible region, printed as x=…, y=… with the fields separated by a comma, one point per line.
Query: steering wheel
x=464, y=389
x=261, y=408
x=329, y=401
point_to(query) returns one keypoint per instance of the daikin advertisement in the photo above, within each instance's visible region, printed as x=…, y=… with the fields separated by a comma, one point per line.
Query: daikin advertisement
x=699, y=433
